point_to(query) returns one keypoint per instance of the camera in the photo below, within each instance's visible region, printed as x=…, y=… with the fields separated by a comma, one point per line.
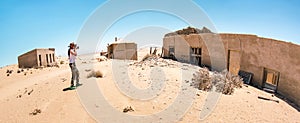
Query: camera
x=76, y=47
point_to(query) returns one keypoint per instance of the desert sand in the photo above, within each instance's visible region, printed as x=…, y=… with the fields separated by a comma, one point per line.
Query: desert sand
x=35, y=95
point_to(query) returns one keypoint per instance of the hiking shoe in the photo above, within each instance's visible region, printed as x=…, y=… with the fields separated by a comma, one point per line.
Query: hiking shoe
x=73, y=87
x=77, y=85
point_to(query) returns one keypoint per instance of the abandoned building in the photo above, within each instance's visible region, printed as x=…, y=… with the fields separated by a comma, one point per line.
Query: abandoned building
x=272, y=64
x=122, y=50
x=37, y=58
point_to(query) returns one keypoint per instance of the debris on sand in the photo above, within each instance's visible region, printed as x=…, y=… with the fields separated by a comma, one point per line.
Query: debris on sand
x=9, y=71
x=35, y=112
x=20, y=70
x=263, y=98
x=63, y=79
x=97, y=74
x=101, y=58
x=224, y=82
x=87, y=70
x=62, y=62
x=19, y=96
x=128, y=109
x=149, y=57
x=25, y=91
x=30, y=92
x=151, y=60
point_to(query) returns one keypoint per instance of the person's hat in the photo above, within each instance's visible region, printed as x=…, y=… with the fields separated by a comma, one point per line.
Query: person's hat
x=72, y=43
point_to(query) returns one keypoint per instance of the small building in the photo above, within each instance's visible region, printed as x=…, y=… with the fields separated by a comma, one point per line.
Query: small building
x=37, y=58
x=122, y=50
x=272, y=64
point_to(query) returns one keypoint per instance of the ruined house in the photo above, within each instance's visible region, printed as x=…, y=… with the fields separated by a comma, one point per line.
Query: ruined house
x=37, y=58
x=122, y=50
x=272, y=64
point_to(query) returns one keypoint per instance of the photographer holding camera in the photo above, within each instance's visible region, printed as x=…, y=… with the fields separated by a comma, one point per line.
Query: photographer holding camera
x=72, y=57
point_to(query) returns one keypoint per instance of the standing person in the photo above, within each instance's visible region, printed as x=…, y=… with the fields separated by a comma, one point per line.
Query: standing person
x=75, y=73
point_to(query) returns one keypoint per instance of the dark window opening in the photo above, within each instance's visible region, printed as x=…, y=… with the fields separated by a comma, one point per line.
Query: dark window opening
x=47, y=58
x=50, y=58
x=196, y=56
x=40, y=60
x=53, y=57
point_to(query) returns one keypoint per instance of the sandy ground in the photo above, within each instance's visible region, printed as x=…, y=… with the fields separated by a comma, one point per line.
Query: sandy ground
x=41, y=89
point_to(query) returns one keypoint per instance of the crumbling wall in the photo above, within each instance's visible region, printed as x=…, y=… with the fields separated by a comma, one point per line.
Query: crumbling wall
x=258, y=53
x=253, y=54
x=167, y=43
x=182, y=49
x=28, y=59
x=213, y=56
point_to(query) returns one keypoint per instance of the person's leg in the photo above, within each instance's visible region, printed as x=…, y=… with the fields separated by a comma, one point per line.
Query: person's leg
x=73, y=73
x=76, y=74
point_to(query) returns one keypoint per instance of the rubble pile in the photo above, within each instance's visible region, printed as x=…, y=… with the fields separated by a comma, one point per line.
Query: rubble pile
x=189, y=30
x=223, y=82
x=155, y=60
x=35, y=112
x=128, y=109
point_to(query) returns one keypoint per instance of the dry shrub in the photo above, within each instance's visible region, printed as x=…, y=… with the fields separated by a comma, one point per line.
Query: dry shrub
x=35, y=112
x=62, y=62
x=128, y=109
x=224, y=81
x=227, y=82
x=102, y=58
x=204, y=79
x=97, y=74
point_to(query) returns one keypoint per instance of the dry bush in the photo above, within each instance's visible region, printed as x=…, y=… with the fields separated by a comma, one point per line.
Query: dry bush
x=97, y=74
x=203, y=79
x=35, y=112
x=62, y=62
x=224, y=81
x=102, y=58
x=228, y=82
x=128, y=109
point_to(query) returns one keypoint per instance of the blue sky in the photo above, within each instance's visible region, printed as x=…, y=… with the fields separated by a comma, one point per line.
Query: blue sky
x=25, y=25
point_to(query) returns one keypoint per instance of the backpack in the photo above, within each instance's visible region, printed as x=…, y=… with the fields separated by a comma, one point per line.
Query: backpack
x=69, y=52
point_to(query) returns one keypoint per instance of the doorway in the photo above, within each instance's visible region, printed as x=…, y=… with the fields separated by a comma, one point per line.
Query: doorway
x=172, y=52
x=233, y=61
x=271, y=79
